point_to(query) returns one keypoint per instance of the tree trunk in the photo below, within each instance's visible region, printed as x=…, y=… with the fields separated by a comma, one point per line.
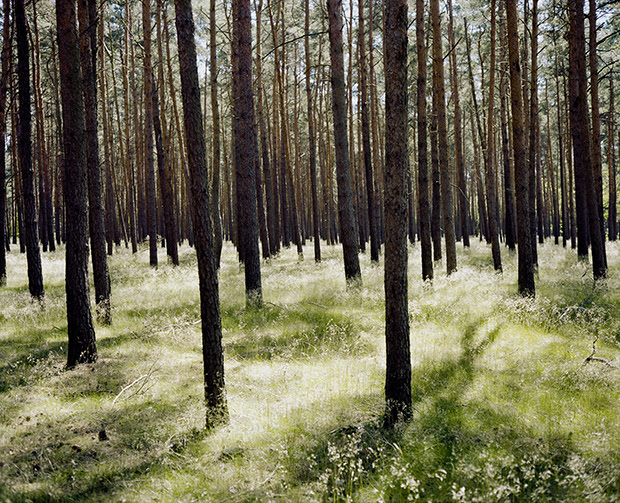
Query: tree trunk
x=346, y=216
x=4, y=79
x=490, y=164
x=88, y=18
x=398, y=372
x=611, y=163
x=243, y=124
x=24, y=146
x=215, y=113
x=82, y=346
x=527, y=286
x=149, y=163
x=447, y=200
x=580, y=133
x=213, y=358
x=423, y=189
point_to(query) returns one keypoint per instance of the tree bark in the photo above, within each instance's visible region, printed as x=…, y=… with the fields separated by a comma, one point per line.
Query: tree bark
x=82, y=346
x=423, y=188
x=447, y=200
x=612, y=217
x=346, y=216
x=580, y=133
x=398, y=372
x=4, y=80
x=212, y=353
x=24, y=147
x=527, y=286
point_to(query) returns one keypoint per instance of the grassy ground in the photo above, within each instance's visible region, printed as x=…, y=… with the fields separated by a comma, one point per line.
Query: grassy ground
x=505, y=408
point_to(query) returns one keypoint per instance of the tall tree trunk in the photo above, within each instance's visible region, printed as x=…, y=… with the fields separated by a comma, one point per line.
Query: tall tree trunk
x=212, y=354
x=346, y=216
x=24, y=146
x=215, y=113
x=580, y=133
x=367, y=154
x=82, y=347
x=527, y=286
x=532, y=123
x=458, y=134
x=447, y=200
x=88, y=18
x=243, y=124
x=597, y=168
x=490, y=165
x=149, y=162
x=398, y=372
x=423, y=189
x=611, y=164
x=311, y=134
x=4, y=79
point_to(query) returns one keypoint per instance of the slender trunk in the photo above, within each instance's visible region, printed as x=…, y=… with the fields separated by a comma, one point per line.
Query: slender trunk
x=611, y=163
x=215, y=159
x=4, y=79
x=527, y=286
x=346, y=216
x=24, y=147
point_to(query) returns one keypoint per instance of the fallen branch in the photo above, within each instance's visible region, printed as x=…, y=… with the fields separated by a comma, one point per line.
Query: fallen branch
x=142, y=379
x=593, y=358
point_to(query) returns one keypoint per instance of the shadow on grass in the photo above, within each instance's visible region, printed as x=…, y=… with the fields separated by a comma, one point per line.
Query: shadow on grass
x=302, y=332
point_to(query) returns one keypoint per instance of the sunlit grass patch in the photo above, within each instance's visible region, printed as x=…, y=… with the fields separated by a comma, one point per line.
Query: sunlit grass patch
x=506, y=406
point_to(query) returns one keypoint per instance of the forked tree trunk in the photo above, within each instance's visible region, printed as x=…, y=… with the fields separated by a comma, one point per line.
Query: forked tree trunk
x=82, y=347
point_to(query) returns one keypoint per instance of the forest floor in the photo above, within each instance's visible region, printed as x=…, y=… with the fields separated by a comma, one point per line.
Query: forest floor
x=507, y=406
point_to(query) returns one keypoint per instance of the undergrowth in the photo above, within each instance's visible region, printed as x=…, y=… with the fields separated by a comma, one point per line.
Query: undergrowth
x=507, y=405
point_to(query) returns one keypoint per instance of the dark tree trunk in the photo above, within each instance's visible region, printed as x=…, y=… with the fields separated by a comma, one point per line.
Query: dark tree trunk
x=532, y=124
x=4, y=79
x=435, y=185
x=215, y=113
x=447, y=200
x=527, y=286
x=149, y=162
x=611, y=163
x=243, y=124
x=88, y=18
x=82, y=346
x=311, y=139
x=398, y=371
x=24, y=147
x=367, y=155
x=580, y=133
x=346, y=215
x=423, y=189
x=213, y=357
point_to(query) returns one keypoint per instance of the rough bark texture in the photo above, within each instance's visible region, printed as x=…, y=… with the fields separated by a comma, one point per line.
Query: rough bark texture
x=527, y=286
x=311, y=139
x=447, y=199
x=87, y=14
x=490, y=165
x=213, y=358
x=580, y=133
x=4, y=79
x=398, y=371
x=215, y=113
x=24, y=148
x=423, y=189
x=244, y=141
x=346, y=215
x=82, y=347
x=149, y=161
x=367, y=155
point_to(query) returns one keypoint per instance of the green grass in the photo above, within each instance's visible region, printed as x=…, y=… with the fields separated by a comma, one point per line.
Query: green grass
x=504, y=407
